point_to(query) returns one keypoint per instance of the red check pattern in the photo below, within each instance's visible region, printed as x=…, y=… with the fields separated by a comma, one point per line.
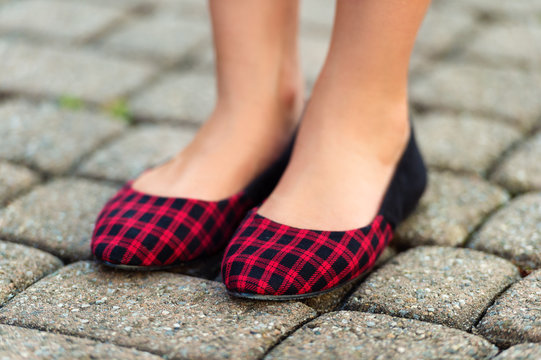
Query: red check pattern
x=139, y=229
x=268, y=258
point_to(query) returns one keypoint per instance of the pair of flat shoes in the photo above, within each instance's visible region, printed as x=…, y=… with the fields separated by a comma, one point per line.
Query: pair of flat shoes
x=263, y=259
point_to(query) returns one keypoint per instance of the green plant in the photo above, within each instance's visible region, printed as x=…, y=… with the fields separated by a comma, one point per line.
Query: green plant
x=70, y=102
x=119, y=109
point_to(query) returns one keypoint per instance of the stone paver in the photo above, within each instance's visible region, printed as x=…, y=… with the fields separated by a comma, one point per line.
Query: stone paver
x=161, y=36
x=318, y=12
x=443, y=285
x=513, y=44
x=139, y=149
x=503, y=10
x=186, y=8
x=442, y=28
x=354, y=335
x=172, y=315
x=509, y=93
x=514, y=232
x=53, y=72
x=177, y=97
x=515, y=317
x=70, y=20
x=521, y=170
x=313, y=51
x=19, y=343
x=50, y=138
x=57, y=217
x=452, y=207
x=21, y=266
x=463, y=142
x=14, y=179
x=527, y=351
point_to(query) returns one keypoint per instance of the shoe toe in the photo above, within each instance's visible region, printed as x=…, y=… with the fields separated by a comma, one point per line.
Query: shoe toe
x=269, y=259
x=143, y=230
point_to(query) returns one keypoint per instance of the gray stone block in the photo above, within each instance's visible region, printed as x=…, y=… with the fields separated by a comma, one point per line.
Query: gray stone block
x=160, y=37
x=520, y=171
x=528, y=351
x=354, y=335
x=508, y=93
x=513, y=44
x=514, y=232
x=50, y=138
x=515, y=317
x=176, y=98
x=14, y=179
x=448, y=286
x=57, y=217
x=18, y=343
x=67, y=20
x=443, y=29
x=21, y=267
x=137, y=150
x=451, y=208
x=33, y=69
x=175, y=316
x=463, y=142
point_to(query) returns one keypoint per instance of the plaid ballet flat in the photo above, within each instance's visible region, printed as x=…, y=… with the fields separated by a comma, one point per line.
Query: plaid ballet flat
x=146, y=232
x=271, y=261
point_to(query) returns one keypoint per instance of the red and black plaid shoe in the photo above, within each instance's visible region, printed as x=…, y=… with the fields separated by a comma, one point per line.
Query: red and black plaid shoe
x=271, y=261
x=141, y=231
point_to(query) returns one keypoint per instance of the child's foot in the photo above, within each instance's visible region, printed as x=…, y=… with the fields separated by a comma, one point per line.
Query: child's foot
x=337, y=176
x=229, y=151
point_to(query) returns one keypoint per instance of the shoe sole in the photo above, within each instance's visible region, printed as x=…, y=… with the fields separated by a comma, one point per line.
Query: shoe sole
x=185, y=264
x=296, y=296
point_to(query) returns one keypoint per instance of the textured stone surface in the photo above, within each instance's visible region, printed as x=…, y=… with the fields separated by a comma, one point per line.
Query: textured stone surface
x=141, y=148
x=353, y=335
x=515, y=317
x=185, y=8
x=507, y=43
x=318, y=12
x=331, y=300
x=313, y=51
x=21, y=266
x=527, y=351
x=177, y=97
x=72, y=20
x=168, y=314
x=502, y=10
x=57, y=217
x=50, y=138
x=50, y=71
x=514, y=232
x=13, y=180
x=510, y=93
x=161, y=36
x=451, y=208
x=463, y=142
x=18, y=344
x=521, y=170
x=442, y=28
x=436, y=284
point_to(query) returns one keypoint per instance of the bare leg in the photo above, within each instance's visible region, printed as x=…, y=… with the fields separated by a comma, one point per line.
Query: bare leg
x=356, y=124
x=259, y=100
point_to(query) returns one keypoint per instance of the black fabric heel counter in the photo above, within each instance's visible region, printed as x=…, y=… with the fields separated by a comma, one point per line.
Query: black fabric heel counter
x=407, y=185
x=261, y=187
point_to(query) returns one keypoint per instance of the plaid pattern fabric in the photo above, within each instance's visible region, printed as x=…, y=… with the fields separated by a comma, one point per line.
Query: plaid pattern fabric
x=268, y=258
x=138, y=229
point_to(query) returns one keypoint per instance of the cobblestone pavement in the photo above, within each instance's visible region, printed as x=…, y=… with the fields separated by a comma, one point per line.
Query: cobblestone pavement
x=92, y=93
